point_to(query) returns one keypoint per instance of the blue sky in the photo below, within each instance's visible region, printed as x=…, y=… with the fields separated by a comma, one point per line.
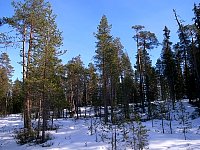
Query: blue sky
x=78, y=20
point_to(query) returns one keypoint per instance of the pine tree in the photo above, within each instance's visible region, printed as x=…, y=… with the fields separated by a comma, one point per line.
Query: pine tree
x=189, y=51
x=179, y=80
x=127, y=84
x=169, y=63
x=35, y=23
x=17, y=98
x=162, y=83
x=6, y=71
x=5, y=39
x=196, y=48
x=139, y=133
x=114, y=74
x=102, y=58
x=26, y=20
x=145, y=40
x=75, y=84
x=93, y=88
x=50, y=41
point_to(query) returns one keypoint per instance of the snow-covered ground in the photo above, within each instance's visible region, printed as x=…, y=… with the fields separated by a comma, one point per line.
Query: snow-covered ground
x=75, y=134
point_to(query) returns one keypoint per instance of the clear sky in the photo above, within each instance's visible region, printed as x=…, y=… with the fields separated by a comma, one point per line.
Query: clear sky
x=78, y=20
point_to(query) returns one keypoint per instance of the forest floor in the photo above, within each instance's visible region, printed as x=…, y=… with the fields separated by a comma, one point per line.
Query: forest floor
x=75, y=134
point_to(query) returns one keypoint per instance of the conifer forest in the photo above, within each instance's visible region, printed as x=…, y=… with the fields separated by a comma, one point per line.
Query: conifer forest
x=118, y=101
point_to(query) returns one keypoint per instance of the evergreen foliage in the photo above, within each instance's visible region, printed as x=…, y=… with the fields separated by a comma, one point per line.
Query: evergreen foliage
x=116, y=96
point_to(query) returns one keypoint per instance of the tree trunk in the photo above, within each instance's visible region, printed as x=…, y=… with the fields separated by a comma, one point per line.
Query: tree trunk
x=44, y=103
x=105, y=93
x=141, y=83
x=39, y=113
x=27, y=119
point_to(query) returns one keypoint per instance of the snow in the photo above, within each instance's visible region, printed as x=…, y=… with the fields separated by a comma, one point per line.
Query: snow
x=74, y=134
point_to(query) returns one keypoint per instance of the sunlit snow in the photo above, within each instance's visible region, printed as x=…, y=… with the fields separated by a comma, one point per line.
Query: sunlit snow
x=75, y=135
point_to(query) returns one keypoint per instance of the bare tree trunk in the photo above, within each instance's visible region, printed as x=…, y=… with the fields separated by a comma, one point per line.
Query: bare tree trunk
x=44, y=104
x=105, y=93
x=28, y=77
x=163, y=125
x=27, y=119
x=24, y=76
x=44, y=110
x=26, y=88
x=39, y=113
x=111, y=100
x=141, y=82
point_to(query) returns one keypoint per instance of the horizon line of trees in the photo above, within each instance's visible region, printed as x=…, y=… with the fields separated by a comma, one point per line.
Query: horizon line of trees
x=109, y=83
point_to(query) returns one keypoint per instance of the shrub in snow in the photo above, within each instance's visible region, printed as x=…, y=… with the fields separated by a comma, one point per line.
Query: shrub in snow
x=24, y=136
x=183, y=117
x=139, y=137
